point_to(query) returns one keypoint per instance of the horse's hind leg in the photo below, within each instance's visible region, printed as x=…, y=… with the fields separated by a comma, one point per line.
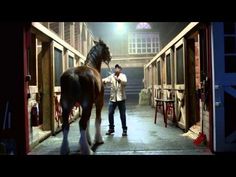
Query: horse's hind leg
x=98, y=137
x=88, y=133
x=66, y=108
x=83, y=124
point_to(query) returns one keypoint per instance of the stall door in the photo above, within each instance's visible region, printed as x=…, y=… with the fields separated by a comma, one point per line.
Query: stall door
x=179, y=62
x=224, y=86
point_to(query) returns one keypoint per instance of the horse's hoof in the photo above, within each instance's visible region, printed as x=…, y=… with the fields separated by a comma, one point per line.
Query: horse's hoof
x=89, y=152
x=96, y=144
x=98, y=140
x=65, y=150
x=99, y=143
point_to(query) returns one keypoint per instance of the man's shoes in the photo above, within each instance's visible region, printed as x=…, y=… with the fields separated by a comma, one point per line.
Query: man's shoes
x=110, y=131
x=124, y=133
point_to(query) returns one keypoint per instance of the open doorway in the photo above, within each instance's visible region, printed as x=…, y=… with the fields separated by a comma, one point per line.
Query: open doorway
x=38, y=132
x=193, y=82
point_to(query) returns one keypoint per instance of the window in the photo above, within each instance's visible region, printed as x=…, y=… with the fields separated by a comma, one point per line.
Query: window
x=229, y=28
x=143, y=42
x=230, y=44
x=230, y=47
x=58, y=65
x=180, y=65
x=168, y=70
x=143, y=25
x=71, y=62
x=230, y=64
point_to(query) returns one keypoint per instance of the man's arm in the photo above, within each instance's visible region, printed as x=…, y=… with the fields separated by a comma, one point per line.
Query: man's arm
x=107, y=80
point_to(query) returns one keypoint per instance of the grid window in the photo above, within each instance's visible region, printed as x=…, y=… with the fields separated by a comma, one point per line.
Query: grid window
x=143, y=42
x=180, y=65
x=168, y=69
x=58, y=66
x=71, y=62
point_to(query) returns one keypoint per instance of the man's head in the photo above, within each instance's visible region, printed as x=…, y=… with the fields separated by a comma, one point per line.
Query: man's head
x=118, y=69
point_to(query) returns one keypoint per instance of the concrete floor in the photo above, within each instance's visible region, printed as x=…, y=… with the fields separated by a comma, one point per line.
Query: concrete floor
x=144, y=137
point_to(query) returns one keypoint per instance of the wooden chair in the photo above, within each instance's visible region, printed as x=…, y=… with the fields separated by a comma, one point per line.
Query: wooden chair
x=169, y=103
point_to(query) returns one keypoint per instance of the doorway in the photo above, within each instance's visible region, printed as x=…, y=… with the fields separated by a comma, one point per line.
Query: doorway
x=193, y=82
x=37, y=123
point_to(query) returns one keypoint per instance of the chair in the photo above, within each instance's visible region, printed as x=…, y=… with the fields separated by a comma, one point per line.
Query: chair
x=169, y=103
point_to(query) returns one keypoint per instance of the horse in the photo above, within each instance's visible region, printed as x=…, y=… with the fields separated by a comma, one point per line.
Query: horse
x=83, y=86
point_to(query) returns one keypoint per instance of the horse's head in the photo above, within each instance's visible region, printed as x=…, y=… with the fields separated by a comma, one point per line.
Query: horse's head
x=105, y=53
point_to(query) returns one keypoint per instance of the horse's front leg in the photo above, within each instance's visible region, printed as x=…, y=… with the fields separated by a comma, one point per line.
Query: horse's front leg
x=83, y=124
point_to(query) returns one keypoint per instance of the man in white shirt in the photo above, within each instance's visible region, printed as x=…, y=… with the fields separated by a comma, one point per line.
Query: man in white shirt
x=118, y=82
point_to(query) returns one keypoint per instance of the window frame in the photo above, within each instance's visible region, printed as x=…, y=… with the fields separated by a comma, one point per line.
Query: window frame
x=57, y=46
x=181, y=42
x=159, y=85
x=70, y=54
x=169, y=52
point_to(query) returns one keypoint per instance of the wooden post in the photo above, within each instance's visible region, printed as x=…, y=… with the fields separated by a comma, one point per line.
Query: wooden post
x=61, y=30
x=46, y=86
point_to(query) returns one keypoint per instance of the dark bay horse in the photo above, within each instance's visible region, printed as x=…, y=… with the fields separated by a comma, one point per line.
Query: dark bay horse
x=83, y=85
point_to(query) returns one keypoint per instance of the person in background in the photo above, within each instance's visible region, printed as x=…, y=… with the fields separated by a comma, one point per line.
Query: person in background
x=118, y=82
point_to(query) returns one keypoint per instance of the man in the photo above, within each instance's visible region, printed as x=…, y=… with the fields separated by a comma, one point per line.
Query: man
x=118, y=82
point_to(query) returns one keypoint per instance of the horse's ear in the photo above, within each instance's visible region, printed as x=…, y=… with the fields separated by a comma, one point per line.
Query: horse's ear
x=95, y=42
x=101, y=41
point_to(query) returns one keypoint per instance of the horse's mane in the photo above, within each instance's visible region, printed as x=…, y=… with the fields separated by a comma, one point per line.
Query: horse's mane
x=92, y=55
